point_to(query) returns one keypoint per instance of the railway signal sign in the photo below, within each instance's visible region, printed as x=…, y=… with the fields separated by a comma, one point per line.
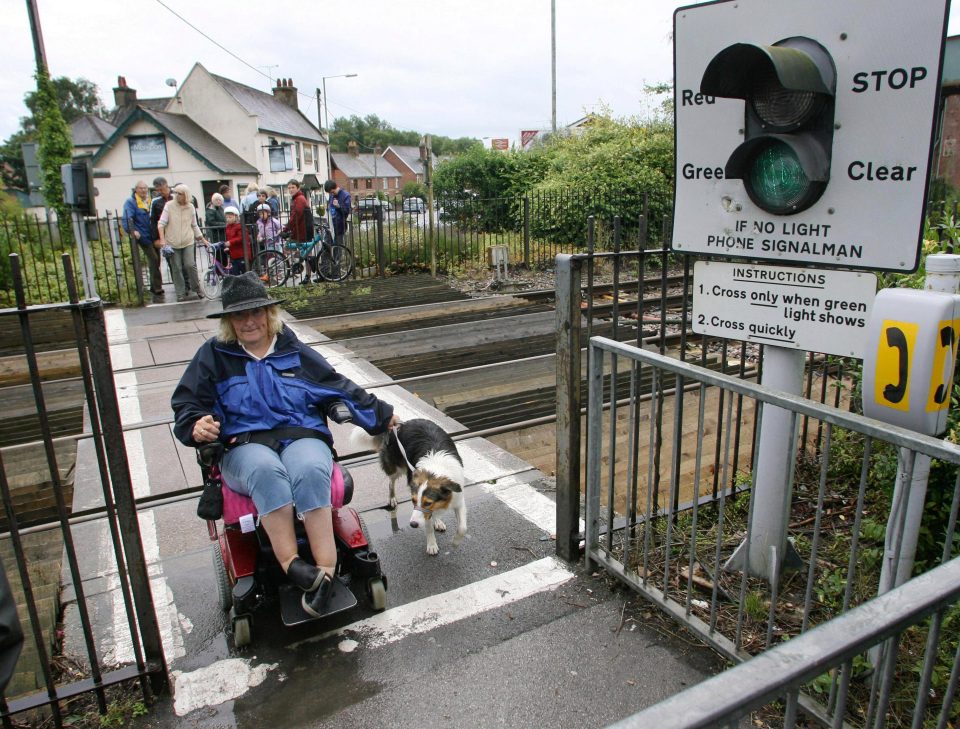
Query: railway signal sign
x=804, y=130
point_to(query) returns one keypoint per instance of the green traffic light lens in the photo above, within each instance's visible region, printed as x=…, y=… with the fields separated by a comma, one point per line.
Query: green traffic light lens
x=776, y=180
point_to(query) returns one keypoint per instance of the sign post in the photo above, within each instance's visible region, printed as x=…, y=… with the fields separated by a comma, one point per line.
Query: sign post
x=804, y=134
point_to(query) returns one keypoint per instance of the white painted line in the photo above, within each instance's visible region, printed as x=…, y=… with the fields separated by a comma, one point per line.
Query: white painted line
x=449, y=607
x=216, y=683
x=525, y=501
x=520, y=497
x=169, y=619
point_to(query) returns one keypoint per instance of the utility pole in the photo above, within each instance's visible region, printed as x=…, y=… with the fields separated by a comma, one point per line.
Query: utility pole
x=38, y=49
x=319, y=114
x=553, y=64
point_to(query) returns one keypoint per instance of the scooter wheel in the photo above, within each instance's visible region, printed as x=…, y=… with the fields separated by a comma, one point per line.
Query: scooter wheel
x=242, y=631
x=224, y=590
x=377, y=592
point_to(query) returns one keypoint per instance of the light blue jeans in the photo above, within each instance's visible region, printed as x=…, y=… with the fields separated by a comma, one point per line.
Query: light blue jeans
x=299, y=474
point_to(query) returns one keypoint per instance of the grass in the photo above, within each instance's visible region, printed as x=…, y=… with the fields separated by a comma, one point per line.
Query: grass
x=831, y=581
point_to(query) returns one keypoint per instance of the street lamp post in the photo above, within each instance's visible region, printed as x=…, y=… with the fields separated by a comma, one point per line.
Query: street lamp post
x=326, y=117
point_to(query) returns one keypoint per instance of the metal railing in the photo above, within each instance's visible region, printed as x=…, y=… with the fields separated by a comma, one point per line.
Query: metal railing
x=771, y=682
x=397, y=235
x=40, y=536
x=654, y=520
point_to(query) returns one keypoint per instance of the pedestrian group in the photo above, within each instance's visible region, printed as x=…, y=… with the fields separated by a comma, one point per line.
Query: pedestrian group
x=168, y=227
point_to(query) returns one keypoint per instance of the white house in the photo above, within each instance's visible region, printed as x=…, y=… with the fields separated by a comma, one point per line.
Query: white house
x=213, y=131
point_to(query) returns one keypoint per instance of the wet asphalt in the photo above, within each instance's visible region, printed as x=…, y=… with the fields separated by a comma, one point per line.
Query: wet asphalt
x=494, y=633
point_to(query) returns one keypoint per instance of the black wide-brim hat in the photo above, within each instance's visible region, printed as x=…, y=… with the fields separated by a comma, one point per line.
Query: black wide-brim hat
x=241, y=293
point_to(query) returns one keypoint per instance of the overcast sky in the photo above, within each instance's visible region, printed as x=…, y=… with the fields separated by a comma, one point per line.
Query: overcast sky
x=450, y=67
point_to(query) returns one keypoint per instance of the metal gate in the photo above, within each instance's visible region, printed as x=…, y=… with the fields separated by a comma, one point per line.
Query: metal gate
x=33, y=570
x=668, y=488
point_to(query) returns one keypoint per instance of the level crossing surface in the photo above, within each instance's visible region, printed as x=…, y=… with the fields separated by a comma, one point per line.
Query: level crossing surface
x=496, y=632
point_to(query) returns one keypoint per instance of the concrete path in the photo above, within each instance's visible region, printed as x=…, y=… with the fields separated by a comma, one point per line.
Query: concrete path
x=497, y=632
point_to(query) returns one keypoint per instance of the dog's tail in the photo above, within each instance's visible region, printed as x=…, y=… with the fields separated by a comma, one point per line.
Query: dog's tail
x=360, y=440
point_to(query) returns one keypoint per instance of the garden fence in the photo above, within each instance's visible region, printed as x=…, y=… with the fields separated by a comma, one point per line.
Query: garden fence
x=393, y=236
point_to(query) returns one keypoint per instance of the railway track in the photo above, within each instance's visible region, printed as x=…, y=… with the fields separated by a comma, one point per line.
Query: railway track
x=434, y=343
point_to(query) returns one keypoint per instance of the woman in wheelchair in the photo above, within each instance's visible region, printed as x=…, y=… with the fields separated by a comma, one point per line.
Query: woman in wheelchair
x=260, y=391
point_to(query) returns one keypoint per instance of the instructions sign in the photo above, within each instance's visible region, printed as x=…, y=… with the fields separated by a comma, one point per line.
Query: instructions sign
x=814, y=310
x=887, y=56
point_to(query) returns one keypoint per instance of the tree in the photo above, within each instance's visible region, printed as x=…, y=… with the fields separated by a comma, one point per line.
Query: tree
x=372, y=131
x=74, y=98
x=369, y=131
x=56, y=147
x=609, y=167
x=478, y=172
x=605, y=171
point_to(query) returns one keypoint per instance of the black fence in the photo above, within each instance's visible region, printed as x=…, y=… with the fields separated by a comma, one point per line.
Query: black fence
x=50, y=549
x=385, y=235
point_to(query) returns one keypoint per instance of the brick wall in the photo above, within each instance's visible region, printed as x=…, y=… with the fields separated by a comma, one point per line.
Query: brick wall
x=946, y=163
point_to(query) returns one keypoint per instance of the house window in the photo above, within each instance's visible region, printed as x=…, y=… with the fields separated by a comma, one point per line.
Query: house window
x=316, y=158
x=356, y=184
x=298, y=156
x=281, y=157
x=384, y=184
x=308, y=154
x=148, y=151
x=369, y=183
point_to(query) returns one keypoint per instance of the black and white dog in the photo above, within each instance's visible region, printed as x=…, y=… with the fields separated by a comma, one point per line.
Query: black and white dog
x=428, y=456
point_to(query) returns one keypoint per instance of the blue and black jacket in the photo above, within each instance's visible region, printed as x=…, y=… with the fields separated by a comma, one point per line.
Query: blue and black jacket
x=290, y=387
x=137, y=219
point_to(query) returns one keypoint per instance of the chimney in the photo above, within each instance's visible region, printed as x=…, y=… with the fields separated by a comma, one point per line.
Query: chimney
x=353, y=149
x=123, y=95
x=286, y=92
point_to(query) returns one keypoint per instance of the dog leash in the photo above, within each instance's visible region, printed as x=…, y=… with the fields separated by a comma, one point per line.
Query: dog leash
x=396, y=434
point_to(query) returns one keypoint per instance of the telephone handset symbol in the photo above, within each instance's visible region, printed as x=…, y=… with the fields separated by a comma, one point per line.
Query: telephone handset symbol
x=897, y=340
x=946, y=341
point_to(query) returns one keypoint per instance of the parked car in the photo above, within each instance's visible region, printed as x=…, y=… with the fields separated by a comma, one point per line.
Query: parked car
x=367, y=207
x=414, y=206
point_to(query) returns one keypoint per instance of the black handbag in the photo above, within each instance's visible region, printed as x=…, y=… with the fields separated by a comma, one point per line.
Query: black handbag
x=210, y=506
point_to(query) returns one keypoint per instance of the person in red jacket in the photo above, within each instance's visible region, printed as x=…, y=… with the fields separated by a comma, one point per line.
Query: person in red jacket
x=296, y=227
x=234, y=233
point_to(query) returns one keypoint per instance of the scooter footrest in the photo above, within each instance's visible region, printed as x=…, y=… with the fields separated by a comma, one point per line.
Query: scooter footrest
x=291, y=608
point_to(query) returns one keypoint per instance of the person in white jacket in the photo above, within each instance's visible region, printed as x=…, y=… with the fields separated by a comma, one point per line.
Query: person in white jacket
x=179, y=229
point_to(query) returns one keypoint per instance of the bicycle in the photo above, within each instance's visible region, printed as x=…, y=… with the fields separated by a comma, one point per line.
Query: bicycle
x=210, y=269
x=334, y=261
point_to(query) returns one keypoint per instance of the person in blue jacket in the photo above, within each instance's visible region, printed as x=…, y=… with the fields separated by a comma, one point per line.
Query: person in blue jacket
x=136, y=224
x=263, y=393
x=339, y=206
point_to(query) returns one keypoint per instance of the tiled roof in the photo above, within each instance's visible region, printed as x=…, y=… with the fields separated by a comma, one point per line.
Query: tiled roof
x=90, y=131
x=410, y=157
x=120, y=114
x=272, y=114
x=363, y=165
x=201, y=142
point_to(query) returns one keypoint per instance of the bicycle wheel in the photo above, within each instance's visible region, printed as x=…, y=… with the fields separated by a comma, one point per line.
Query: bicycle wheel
x=271, y=267
x=209, y=276
x=335, y=263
